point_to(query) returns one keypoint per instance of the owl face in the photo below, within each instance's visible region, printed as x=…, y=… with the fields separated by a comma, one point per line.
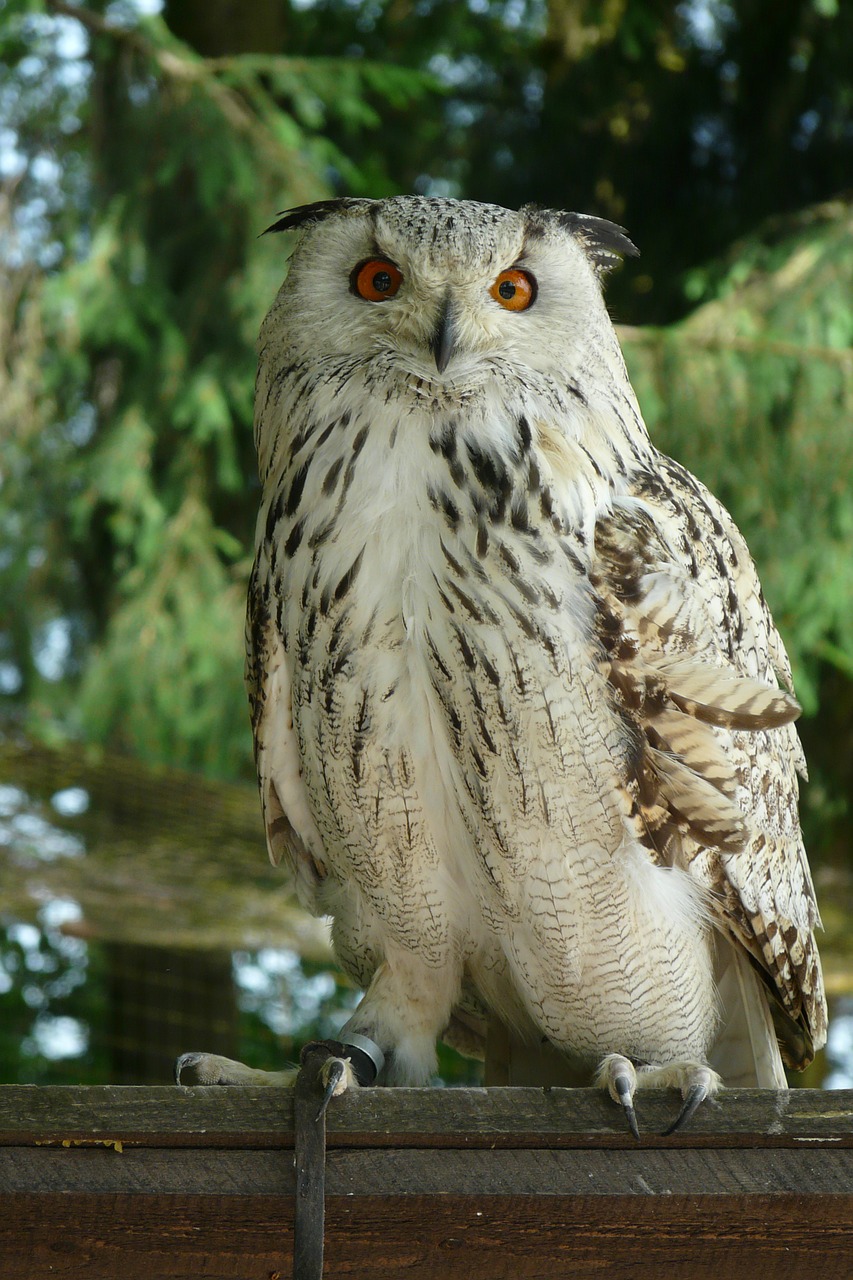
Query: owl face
x=440, y=289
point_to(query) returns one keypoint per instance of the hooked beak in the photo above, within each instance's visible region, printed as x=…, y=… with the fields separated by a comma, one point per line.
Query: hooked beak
x=443, y=341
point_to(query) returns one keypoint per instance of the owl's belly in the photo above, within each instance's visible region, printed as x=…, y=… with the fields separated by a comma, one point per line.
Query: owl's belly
x=475, y=820
x=624, y=965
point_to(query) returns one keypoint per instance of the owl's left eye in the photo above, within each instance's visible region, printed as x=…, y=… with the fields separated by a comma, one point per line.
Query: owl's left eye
x=515, y=289
x=376, y=279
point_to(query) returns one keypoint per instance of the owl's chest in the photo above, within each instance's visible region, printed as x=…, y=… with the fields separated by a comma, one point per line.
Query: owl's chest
x=403, y=519
x=407, y=539
x=439, y=622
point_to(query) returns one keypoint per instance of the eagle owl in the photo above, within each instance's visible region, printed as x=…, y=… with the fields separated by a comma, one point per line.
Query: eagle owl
x=523, y=722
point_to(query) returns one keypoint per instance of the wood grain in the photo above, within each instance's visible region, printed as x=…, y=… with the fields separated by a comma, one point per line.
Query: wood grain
x=397, y=1173
x=258, y=1117
x=86, y=1237
x=521, y=1184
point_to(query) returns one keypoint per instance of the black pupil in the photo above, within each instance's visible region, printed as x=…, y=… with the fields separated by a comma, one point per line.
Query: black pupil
x=506, y=289
x=382, y=281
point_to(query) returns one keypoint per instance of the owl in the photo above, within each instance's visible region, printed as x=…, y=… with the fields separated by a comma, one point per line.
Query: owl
x=523, y=722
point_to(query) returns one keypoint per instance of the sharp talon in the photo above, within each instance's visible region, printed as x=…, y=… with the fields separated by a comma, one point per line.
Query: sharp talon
x=336, y=1068
x=624, y=1089
x=696, y=1095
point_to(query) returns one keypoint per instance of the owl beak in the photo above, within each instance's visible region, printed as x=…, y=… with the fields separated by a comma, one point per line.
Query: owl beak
x=443, y=341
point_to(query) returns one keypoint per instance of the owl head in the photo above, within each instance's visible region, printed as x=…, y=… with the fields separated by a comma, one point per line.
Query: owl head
x=440, y=288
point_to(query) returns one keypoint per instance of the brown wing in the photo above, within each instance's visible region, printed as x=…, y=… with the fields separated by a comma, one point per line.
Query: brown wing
x=694, y=664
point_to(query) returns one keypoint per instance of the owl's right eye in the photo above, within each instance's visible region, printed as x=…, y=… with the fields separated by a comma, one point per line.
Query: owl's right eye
x=376, y=279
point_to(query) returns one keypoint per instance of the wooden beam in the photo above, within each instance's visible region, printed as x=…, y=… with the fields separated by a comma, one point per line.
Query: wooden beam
x=263, y=1117
x=424, y=1184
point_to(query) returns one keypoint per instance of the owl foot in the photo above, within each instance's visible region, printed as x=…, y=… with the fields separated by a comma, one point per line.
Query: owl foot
x=336, y=1076
x=210, y=1068
x=619, y=1077
x=696, y=1082
x=356, y=1061
x=340, y=1070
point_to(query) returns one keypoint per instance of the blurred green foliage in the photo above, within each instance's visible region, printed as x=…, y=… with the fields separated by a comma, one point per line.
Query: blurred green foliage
x=147, y=151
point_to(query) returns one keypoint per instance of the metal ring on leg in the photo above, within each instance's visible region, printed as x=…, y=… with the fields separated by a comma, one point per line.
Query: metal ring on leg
x=366, y=1057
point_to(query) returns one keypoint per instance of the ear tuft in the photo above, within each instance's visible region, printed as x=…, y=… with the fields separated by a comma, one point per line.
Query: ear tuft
x=605, y=242
x=306, y=214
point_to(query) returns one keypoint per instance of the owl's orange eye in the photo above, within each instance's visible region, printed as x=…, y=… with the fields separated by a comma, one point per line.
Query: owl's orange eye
x=376, y=279
x=514, y=289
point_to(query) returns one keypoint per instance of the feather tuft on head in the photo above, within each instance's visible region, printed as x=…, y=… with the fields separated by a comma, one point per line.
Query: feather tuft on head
x=605, y=242
x=306, y=214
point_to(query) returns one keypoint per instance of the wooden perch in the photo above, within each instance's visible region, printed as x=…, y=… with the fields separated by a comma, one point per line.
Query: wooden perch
x=426, y=1184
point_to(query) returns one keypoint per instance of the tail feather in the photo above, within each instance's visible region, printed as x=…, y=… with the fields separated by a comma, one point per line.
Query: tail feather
x=746, y=1052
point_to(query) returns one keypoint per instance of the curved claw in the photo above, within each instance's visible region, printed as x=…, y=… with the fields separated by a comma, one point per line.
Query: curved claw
x=618, y=1075
x=184, y=1061
x=625, y=1090
x=335, y=1069
x=695, y=1096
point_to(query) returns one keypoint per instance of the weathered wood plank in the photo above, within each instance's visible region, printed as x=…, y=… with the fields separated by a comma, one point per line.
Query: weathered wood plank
x=172, y=1117
x=521, y=1184
x=85, y=1237
x=397, y=1174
